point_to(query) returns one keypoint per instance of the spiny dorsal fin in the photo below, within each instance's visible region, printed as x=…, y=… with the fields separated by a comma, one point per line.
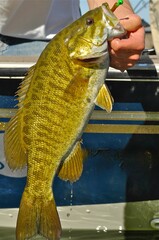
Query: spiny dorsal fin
x=104, y=99
x=23, y=88
x=14, y=146
x=73, y=165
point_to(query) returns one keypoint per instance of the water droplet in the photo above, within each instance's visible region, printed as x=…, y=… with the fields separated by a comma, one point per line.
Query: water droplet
x=105, y=229
x=132, y=89
x=120, y=229
x=71, y=194
x=88, y=211
x=70, y=230
x=98, y=228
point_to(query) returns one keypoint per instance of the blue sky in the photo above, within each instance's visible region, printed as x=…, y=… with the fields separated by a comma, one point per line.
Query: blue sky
x=144, y=13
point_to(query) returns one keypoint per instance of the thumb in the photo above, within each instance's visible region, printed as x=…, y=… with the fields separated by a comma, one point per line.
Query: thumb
x=131, y=22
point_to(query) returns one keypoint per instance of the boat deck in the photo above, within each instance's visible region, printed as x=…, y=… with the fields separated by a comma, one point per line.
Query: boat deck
x=123, y=163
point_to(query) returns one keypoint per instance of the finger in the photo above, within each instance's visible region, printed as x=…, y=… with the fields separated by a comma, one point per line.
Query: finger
x=131, y=22
x=131, y=43
x=121, y=65
x=129, y=55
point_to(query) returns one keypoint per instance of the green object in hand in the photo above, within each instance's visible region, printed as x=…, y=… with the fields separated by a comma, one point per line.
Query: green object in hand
x=116, y=5
x=119, y=2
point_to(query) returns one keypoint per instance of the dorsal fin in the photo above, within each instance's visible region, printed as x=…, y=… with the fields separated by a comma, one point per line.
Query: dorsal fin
x=15, y=150
x=23, y=87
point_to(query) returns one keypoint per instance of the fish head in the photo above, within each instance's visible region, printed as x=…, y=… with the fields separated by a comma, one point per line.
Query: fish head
x=89, y=35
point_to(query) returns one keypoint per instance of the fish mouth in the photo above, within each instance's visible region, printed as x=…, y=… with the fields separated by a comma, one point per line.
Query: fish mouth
x=116, y=31
x=97, y=53
x=93, y=60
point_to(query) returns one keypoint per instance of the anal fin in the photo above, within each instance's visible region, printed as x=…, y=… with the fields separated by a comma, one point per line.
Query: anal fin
x=73, y=165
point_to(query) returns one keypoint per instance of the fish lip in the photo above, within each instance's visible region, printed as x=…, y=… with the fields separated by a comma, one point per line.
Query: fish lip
x=118, y=30
x=122, y=32
x=104, y=7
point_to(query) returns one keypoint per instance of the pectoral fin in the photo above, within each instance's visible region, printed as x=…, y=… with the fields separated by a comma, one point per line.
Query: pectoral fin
x=73, y=165
x=104, y=99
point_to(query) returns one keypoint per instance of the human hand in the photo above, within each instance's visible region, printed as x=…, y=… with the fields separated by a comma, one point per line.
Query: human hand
x=125, y=52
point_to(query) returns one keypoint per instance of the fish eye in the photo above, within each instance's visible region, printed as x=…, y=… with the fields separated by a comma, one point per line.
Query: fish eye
x=89, y=21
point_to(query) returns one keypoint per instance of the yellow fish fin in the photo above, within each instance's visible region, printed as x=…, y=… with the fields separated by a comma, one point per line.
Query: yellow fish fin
x=15, y=152
x=104, y=99
x=38, y=216
x=23, y=87
x=73, y=165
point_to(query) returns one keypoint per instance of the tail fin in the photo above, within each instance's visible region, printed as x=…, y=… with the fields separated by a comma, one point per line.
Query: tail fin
x=37, y=216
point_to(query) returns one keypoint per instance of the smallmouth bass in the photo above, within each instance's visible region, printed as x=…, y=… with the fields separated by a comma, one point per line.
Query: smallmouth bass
x=56, y=99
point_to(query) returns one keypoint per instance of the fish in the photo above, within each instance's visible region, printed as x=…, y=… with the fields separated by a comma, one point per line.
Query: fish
x=55, y=101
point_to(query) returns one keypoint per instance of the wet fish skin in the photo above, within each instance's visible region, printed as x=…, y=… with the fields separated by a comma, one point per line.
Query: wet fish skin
x=55, y=102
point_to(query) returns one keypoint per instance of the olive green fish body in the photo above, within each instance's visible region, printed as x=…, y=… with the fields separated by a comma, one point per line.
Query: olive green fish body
x=55, y=102
x=58, y=105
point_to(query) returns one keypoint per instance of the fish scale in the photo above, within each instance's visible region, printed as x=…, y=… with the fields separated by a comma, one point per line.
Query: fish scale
x=56, y=100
